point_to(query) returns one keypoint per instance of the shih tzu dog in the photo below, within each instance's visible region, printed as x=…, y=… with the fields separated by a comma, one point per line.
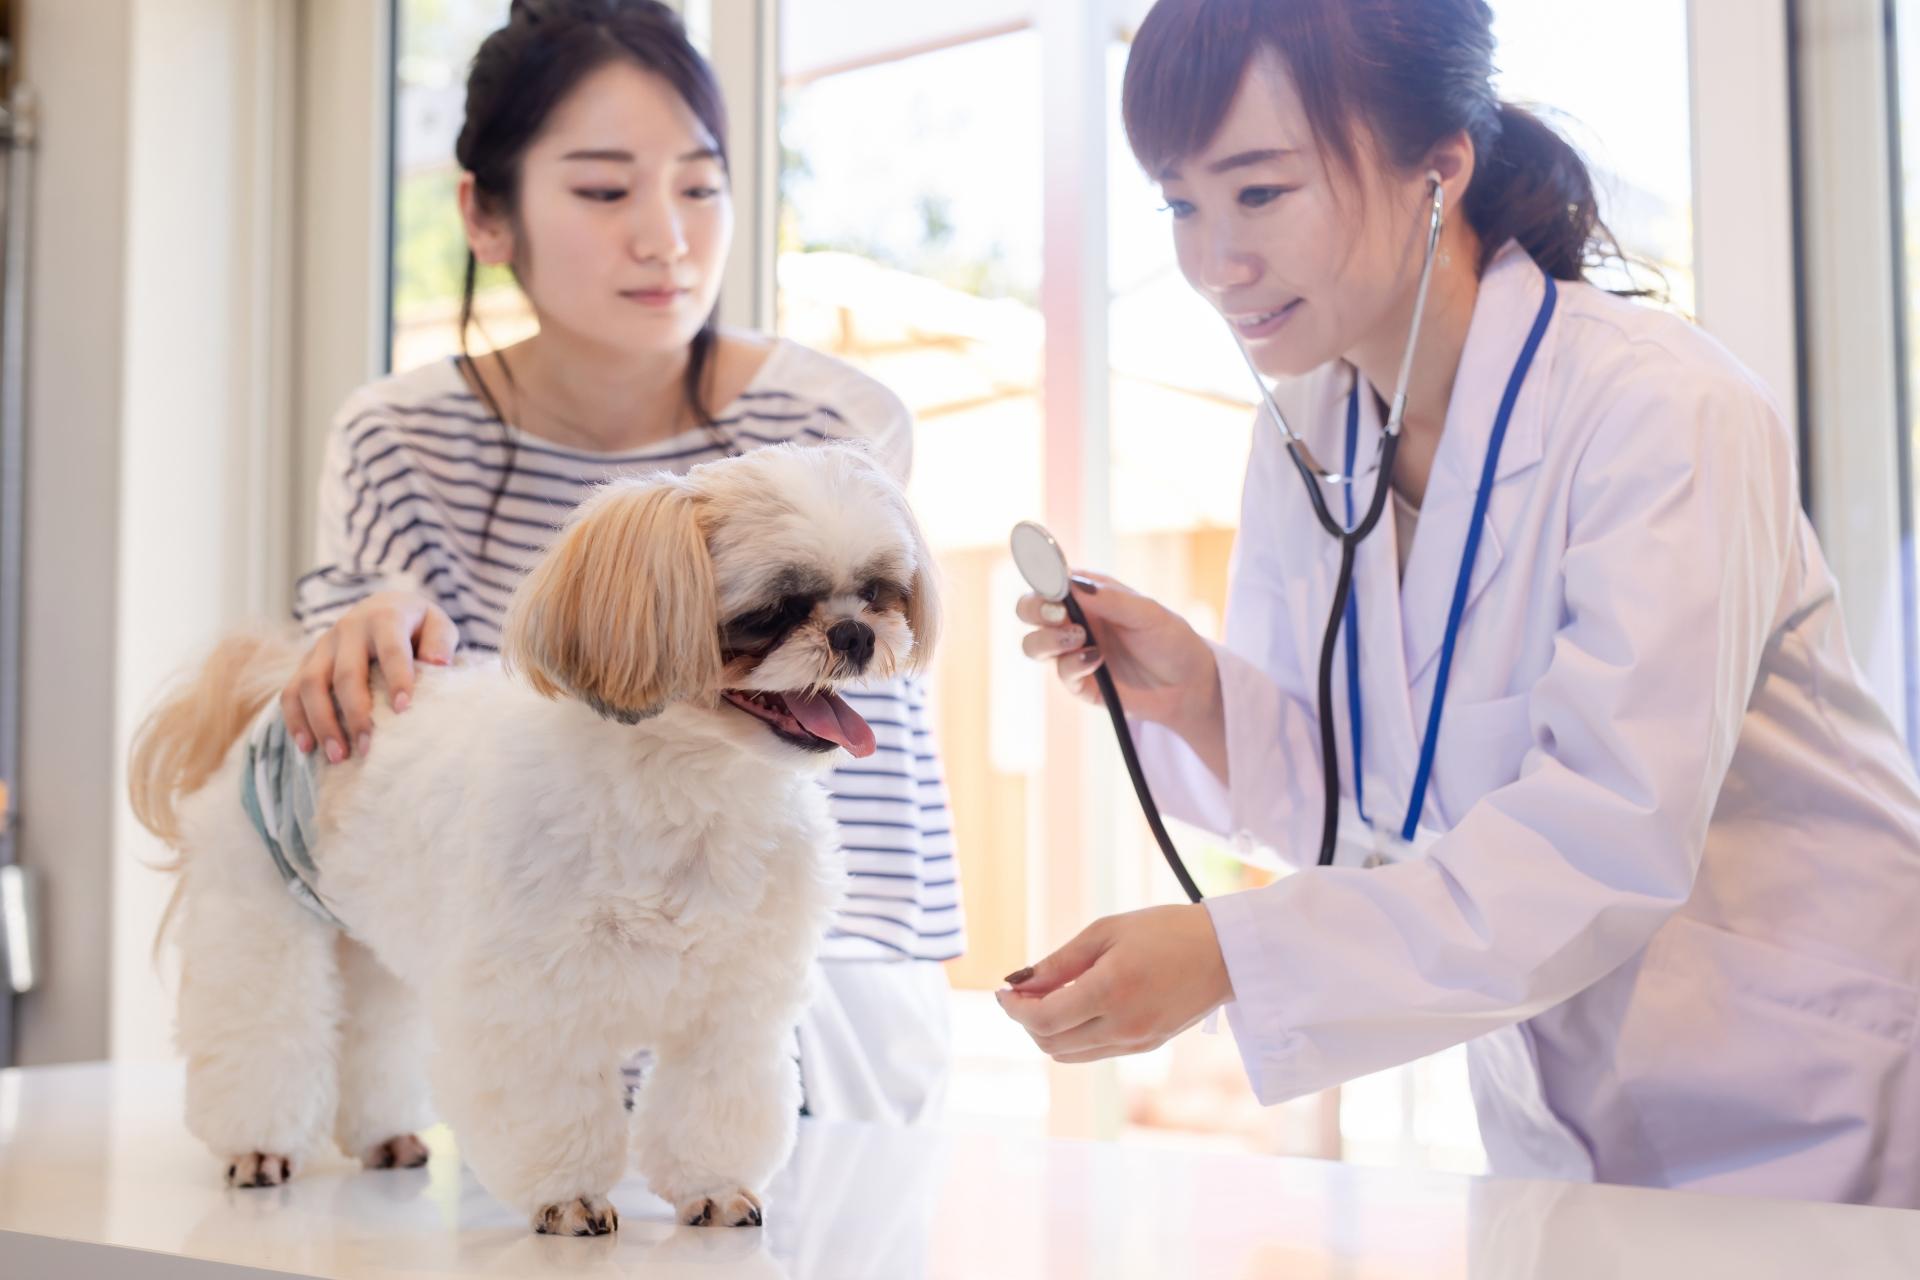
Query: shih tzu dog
x=613, y=837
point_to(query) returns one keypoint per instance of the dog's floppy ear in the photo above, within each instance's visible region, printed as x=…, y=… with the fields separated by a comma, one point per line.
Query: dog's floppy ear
x=923, y=594
x=620, y=612
x=922, y=609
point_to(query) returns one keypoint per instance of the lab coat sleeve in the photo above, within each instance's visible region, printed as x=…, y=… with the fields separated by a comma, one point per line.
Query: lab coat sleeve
x=1680, y=526
x=1272, y=799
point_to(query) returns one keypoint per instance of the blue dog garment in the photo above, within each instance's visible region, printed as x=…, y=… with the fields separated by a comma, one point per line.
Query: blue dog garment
x=276, y=790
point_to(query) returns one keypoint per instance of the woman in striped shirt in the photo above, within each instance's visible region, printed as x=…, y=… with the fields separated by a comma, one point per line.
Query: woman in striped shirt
x=595, y=168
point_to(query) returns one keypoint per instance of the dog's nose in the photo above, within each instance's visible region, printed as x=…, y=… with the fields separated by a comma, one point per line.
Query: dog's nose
x=854, y=639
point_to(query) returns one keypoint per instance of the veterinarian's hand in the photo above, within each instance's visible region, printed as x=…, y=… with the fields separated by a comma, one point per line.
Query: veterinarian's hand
x=1164, y=671
x=388, y=627
x=1126, y=984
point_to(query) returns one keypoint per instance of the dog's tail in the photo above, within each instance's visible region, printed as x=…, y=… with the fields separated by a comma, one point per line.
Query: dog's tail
x=181, y=743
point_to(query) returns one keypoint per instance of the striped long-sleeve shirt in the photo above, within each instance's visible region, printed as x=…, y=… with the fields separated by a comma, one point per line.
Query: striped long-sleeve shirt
x=412, y=462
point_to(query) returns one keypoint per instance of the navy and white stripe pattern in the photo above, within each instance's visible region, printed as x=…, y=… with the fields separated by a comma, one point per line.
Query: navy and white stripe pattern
x=412, y=462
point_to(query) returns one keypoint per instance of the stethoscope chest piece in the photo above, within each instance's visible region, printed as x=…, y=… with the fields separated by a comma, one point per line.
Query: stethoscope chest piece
x=1040, y=561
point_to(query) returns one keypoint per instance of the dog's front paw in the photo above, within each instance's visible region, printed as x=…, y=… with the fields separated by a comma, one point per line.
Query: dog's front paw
x=403, y=1152
x=738, y=1208
x=258, y=1169
x=585, y=1216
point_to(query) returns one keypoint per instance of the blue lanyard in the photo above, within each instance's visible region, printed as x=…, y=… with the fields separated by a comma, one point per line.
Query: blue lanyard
x=1417, y=802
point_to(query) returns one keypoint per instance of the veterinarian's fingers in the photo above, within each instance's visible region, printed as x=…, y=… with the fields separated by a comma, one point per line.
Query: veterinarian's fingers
x=316, y=698
x=1039, y=611
x=1066, y=964
x=393, y=650
x=439, y=637
x=1050, y=1016
x=1088, y=691
x=1117, y=607
x=1092, y=1055
x=350, y=685
x=1076, y=672
x=1051, y=642
x=1095, y=1035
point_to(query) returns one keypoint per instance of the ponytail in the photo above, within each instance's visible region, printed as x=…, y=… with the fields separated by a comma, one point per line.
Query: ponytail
x=1532, y=186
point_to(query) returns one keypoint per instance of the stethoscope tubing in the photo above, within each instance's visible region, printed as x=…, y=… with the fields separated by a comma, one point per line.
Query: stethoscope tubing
x=1349, y=539
x=1117, y=713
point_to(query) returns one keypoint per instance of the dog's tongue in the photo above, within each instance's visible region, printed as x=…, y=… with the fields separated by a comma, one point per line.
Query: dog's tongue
x=826, y=715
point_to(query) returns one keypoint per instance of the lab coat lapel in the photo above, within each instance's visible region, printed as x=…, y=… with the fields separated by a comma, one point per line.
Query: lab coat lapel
x=1509, y=299
x=1390, y=745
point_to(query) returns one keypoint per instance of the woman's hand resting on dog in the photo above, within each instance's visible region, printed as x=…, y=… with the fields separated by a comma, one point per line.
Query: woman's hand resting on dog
x=391, y=628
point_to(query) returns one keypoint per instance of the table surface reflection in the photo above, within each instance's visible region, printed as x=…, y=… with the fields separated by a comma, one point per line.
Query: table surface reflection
x=99, y=1177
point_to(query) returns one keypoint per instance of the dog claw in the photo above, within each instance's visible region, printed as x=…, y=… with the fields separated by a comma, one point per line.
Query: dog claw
x=403, y=1152
x=740, y=1209
x=258, y=1169
x=583, y=1216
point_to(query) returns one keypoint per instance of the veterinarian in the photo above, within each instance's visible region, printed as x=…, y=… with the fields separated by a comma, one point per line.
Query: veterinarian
x=594, y=167
x=1615, y=807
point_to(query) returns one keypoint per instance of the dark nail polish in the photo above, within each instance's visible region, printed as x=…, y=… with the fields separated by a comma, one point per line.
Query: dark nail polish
x=1019, y=976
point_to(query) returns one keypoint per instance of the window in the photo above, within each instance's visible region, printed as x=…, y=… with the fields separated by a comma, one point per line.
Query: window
x=434, y=40
x=909, y=243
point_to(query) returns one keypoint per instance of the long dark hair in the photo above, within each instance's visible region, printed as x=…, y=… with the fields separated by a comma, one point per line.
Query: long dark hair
x=1415, y=71
x=521, y=73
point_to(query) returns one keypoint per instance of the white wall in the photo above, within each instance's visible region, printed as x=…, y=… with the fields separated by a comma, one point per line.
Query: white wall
x=206, y=406
x=159, y=444
x=340, y=290
x=76, y=53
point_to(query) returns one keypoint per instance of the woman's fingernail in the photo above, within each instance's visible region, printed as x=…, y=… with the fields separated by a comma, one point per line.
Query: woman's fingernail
x=304, y=742
x=335, y=752
x=402, y=700
x=1053, y=614
x=1087, y=585
x=1073, y=638
x=362, y=742
x=1019, y=976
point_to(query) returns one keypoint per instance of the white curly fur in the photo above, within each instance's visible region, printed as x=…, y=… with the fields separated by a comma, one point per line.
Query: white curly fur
x=535, y=889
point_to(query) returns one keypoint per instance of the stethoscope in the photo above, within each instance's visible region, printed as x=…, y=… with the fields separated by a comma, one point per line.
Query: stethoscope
x=1043, y=564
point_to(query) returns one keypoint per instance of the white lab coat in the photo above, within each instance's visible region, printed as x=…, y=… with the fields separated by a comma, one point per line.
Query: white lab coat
x=1669, y=879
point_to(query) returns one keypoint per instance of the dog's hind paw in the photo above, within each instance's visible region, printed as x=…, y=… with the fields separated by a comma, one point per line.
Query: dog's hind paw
x=403, y=1152
x=258, y=1169
x=585, y=1216
x=740, y=1208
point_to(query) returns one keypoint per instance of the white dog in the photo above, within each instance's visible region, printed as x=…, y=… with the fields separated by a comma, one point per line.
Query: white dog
x=616, y=838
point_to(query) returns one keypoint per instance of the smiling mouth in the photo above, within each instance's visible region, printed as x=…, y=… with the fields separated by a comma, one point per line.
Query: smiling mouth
x=1252, y=322
x=811, y=721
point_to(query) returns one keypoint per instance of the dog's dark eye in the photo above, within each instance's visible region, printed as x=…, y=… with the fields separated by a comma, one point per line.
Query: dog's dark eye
x=882, y=594
x=775, y=619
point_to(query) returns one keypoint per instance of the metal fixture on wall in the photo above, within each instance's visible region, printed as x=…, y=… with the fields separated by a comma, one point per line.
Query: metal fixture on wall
x=18, y=941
